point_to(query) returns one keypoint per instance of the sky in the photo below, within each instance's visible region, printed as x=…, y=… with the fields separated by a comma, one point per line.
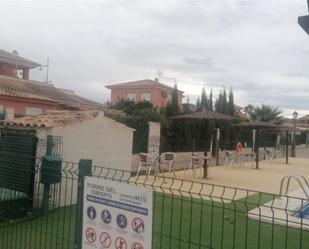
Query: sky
x=254, y=47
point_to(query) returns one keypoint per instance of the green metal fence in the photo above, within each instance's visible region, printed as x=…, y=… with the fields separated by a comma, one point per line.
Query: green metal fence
x=187, y=214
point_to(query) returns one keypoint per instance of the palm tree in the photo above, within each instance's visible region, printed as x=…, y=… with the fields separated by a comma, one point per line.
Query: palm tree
x=266, y=113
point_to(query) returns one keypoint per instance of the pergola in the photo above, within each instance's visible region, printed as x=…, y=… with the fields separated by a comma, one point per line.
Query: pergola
x=259, y=126
x=205, y=116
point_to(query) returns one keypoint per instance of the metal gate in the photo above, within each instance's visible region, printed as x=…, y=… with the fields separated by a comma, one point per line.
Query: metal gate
x=17, y=162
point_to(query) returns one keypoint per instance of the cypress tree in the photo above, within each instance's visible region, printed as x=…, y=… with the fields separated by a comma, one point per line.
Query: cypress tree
x=231, y=103
x=175, y=107
x=204, y=101
x=198, y=104
x=220, y=102
x=225, y=108
x=211, y=106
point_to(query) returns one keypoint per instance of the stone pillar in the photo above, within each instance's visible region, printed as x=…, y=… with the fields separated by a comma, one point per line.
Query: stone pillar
x=154, y=140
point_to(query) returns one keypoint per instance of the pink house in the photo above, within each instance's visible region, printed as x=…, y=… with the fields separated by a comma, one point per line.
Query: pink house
x=150, y=90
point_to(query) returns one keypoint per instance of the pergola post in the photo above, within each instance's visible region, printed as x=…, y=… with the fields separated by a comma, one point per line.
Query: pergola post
x=257, y=133
x=253, y=140
x=205, y=165
x=217, y=146
x=287, y=147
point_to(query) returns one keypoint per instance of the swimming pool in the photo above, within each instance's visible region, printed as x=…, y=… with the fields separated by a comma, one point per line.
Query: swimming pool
x=292, y=210
x=303, y=213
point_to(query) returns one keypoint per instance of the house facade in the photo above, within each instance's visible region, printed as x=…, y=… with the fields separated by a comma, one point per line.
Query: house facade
x=143, y=90
x=15, y=66
x=85, y=135
x=303, y=120
x=21, y=96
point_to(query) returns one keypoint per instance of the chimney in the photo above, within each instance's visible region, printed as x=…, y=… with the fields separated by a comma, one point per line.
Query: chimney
x=9, y=113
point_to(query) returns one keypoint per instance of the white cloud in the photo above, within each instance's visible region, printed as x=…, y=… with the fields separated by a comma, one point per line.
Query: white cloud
x=255, y=47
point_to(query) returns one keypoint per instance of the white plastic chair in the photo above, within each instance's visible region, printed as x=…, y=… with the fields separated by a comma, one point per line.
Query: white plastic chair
x=144, y=163
x=168, y=159
x=230, y=158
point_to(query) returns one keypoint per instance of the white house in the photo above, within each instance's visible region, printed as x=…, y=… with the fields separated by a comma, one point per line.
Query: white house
x=85, y=134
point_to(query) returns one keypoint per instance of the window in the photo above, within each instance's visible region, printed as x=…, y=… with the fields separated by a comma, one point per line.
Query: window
x=131, y=96
x=145, y=97
x=31, y=111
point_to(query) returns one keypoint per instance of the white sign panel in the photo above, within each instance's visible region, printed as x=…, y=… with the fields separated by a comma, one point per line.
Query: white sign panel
x=116, y=215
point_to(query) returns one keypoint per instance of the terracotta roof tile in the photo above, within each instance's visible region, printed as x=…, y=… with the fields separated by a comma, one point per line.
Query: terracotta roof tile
x=51, y=119
x=306, y=117
x=16, y=60
x=37, y=90
x=141, y=83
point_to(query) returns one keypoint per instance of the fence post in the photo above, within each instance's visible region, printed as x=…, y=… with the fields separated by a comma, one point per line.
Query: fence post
x=84, y=169
x=46, y=191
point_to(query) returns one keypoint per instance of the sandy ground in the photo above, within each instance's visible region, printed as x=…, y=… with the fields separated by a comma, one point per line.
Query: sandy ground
x=266, y=179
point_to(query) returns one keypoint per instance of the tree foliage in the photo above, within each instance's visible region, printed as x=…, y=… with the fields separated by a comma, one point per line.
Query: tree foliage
x=265, y=113
x=231, y=105
x=211, y=105
x=137, y=116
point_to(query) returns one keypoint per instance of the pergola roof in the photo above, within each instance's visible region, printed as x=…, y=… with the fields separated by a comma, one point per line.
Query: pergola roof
x=204, y=115
x=258, y=124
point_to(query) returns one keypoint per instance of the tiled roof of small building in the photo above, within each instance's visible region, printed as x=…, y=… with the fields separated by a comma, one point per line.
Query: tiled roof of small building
x=141, y=83
x=51, y=119
x=42, y=91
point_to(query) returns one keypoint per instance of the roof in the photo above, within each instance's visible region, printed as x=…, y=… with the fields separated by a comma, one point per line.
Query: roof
x=299, y=127
x=306, y=117
x=141, y=83
x=238, y=107
x=258, y=124
x=18, y=61
x=56, y=118
x=14, y=87
x=51, y=118
x=204, y=115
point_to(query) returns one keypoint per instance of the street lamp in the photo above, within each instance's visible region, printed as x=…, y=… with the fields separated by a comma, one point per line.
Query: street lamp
x=293, y=150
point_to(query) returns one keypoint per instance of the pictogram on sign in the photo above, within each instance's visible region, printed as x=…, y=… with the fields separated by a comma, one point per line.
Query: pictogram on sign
x=137, y=245
x=106, y=216
x=91, y=235
x=105, y=240
x=138, y=225
x=120, y=243
x=122, y=221
x=91, y=213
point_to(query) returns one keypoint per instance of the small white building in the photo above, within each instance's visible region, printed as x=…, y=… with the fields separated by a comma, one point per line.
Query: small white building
x=85, y=135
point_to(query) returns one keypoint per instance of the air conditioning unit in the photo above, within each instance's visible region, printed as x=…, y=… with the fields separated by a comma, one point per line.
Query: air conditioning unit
x=164, y=93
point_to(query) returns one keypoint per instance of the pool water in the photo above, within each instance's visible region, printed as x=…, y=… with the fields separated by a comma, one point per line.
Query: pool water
x=304, y=213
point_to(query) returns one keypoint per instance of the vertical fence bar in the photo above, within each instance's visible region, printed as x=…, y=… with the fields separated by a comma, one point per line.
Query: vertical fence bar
x=84, y=169
x=46, y=191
